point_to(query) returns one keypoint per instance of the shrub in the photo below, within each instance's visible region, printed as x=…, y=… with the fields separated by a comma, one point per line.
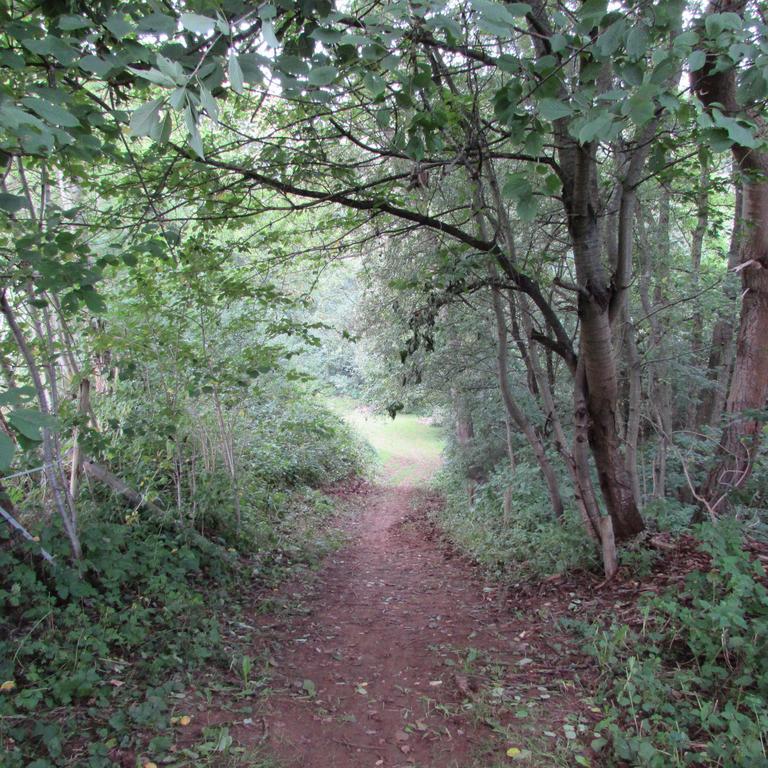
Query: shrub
x=691, y=687
x=530, y=541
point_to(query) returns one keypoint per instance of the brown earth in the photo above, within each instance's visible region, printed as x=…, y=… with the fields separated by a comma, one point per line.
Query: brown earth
x=405, y=657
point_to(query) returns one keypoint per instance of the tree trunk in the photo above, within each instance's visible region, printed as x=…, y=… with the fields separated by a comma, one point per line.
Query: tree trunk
x=721, y=348
x=742, y=433
x=52, y=459
x=513, y=409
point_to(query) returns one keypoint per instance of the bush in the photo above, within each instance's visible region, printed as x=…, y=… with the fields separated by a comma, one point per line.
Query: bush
x=691, y=687
x=531, y=542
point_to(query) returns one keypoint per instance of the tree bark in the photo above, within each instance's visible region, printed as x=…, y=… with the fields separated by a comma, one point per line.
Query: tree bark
x=515, y=412
x=721, y=347
x=742, y=433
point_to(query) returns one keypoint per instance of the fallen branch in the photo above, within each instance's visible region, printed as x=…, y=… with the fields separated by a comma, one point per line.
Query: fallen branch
x=16, y=525
x=103, y=475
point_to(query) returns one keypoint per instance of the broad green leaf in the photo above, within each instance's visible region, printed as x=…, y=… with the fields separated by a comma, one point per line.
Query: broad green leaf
x=322, y=75
x=12, y=203
x=597, y=129
x=611, y=38
x=517, y=186
x=118, y=26
x=527, y=207
x=268, y=33
x=196, y=23
x=172, y=69
x=95, y=64
x=554, y=109
x=51, y=112
x=29, y=422
x=715, y=23
x=178, y=99
x=209, y=103
x=70, y=23
x=194, y=139
x=145, y=119
x=158, y=23
x=16, y=395
x=637, y=42
x=154, y=76
x=52, y=46
x=696, y=60
x=235, y=74
x=7, y=449
x=640, y=110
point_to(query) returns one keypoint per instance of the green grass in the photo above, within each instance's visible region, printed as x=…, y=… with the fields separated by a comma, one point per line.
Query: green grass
x=408, y=450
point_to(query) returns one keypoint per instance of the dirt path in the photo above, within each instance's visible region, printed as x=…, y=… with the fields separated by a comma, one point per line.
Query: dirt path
x=402, y=659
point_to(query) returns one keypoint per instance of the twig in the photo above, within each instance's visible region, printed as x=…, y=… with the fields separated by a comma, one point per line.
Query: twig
x=24, y=532
x=356, y=746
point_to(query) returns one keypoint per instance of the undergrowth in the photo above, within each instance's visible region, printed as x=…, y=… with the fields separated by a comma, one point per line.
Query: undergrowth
x=94, y=656
x=689, y=687
x=526, y=541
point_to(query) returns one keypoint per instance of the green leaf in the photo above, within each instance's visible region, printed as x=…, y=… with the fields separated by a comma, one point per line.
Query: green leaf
x=268, y=33
x=7, y=449
x=196, y=23
x=235, y=74
x=194, y=139
x=611, y=38
x=554, y=109
x=715, y=23
x=527, y=207
x=641, y=110
x=637, y=42
x=517, y=186
x=158, y=23
x=52, y=46
x=499, y=18
x=12, y=203
x=696, y=60
x=209, y=103
x=29, y=422
x=16, y=395
x=146, y=118
x=596, y=129
x=51, y=112
x=69, y=23
x=322, y=75
x=154, y=76
x=118, y=26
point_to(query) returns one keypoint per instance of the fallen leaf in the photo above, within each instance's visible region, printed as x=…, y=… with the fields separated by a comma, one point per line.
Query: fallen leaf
x=8, y=685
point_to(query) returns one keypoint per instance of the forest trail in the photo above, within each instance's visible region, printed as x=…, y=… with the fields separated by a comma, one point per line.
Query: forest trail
x=400, y=657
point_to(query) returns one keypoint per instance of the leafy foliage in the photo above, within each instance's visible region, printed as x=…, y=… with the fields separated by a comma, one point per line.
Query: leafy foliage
x=690, y=687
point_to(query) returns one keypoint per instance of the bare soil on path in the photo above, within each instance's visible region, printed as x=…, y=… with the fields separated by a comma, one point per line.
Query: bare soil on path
x=405, y=657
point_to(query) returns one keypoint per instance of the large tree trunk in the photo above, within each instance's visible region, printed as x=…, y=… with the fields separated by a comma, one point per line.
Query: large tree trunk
x=742, y=433
x=596, y=345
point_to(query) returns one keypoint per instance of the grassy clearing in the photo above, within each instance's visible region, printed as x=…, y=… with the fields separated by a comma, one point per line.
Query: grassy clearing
x=408, y=450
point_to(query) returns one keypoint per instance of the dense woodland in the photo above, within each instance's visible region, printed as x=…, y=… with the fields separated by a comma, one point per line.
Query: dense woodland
x=542, y=224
